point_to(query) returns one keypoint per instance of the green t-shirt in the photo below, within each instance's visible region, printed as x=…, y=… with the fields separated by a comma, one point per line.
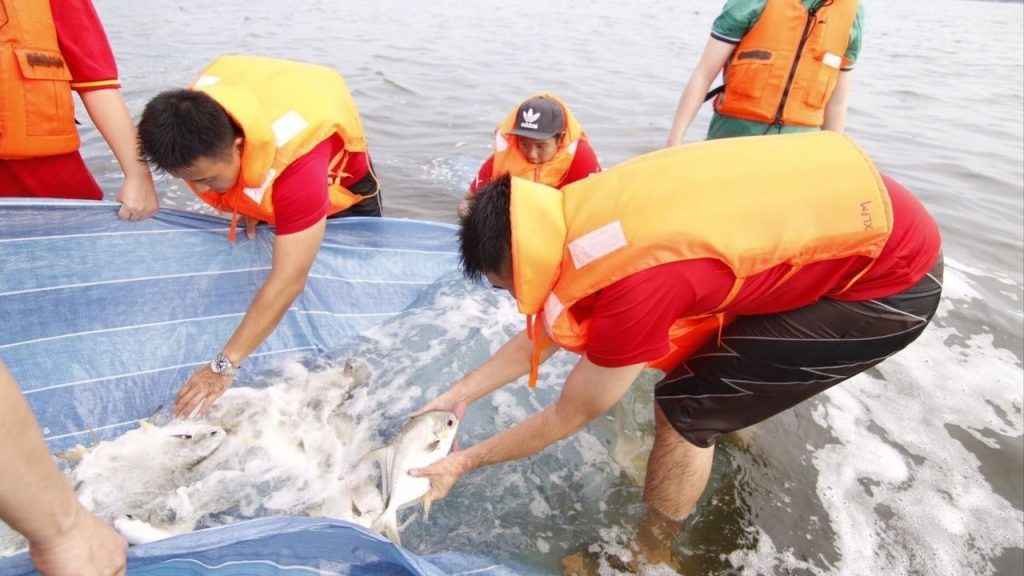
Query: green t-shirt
x=736, y=19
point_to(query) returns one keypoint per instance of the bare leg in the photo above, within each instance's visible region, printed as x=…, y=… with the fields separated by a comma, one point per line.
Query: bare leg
x=677, y=473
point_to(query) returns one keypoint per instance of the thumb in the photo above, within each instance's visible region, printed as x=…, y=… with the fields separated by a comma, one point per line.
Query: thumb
x=250, y=227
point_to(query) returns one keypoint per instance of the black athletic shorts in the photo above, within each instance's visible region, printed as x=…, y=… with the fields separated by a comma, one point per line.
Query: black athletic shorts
x=766, y=364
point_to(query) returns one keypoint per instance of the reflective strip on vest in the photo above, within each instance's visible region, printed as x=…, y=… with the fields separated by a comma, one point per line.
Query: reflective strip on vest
x=256, y=194
x=206, y=80
x=287, y=127
x=597, y=243
x=553, y=308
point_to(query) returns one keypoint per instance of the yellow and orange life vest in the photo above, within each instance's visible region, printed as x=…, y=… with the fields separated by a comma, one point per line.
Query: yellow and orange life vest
x=508, y=159
x=284, y=109
x=753, y=203
x=785, y=69
x=37, y=114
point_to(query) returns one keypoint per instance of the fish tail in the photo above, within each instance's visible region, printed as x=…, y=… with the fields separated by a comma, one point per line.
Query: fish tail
x=387, y=524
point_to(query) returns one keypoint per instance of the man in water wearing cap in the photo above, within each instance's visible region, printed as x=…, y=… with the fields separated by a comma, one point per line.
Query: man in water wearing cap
x=540, y=141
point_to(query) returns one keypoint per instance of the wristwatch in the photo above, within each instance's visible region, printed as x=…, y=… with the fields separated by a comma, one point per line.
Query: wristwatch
x=223, y=365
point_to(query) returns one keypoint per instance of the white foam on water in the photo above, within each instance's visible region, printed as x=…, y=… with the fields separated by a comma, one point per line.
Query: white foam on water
x=903, y=491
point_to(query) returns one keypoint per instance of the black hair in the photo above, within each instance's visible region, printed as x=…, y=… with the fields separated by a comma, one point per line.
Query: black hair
x=485, y=234
x=180, y=126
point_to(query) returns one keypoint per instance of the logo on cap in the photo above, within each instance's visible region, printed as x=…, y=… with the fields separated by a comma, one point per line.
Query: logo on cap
x=530, y=119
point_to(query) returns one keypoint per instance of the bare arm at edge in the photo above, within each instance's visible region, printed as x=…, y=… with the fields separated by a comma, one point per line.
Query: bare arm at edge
x=835, y=109
x=110, y=114
x=712, y=61
x=37, y=500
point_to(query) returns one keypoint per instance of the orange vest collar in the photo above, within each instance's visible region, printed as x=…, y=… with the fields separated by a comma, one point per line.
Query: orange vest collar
x=538, y=235
x=260, y=146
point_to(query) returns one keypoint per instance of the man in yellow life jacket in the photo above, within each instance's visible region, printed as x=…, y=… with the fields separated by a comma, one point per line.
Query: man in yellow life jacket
x=540, y=140
x=273, y=141
x=750, y=290
x=786, y=67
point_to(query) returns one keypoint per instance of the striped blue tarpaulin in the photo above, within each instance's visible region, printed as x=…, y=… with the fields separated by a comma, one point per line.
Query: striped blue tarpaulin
x=103, y=320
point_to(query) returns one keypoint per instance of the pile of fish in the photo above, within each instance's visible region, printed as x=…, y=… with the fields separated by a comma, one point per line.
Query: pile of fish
x=297, y=447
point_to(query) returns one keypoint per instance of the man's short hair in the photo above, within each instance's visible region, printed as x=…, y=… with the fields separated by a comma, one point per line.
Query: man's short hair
x=485, y=235
x=180, y=126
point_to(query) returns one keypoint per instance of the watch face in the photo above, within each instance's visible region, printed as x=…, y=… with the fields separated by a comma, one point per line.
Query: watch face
x=221, y=365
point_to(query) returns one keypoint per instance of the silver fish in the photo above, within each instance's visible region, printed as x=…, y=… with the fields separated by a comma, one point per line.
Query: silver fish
x=423, y=441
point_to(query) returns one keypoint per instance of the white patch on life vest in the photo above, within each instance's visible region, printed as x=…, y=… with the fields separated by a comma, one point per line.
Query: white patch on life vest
x=552, y=310
x=832, y=61
x=597, y=243
x=500, y=144
x=256, y=194
x=572, y=147
x=206, y=80
x=287, y=127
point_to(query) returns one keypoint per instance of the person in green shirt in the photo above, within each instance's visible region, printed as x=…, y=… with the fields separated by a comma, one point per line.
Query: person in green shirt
x=736, y=20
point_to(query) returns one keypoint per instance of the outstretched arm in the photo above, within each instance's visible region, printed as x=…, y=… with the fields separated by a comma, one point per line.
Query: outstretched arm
x=589, y=391
x=511, y=361
x=109, y=113
x=37, y=500
x=716, y=54
x=293, y=258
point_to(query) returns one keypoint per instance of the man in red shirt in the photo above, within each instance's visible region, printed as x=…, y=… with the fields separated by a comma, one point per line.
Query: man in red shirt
x=270, y=140
x=818, y=288
x=85, y=51
x=542, y=141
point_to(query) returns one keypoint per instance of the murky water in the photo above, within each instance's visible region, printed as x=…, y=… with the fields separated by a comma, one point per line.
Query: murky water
x=914, y=468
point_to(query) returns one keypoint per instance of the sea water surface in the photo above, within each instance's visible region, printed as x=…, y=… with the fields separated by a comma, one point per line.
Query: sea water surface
x=913, y=468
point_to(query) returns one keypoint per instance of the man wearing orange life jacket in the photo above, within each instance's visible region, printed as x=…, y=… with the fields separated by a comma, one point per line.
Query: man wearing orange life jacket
x=268, y=140
x=785, y=64
x=49, y=48
x=754, y=276
x=541, y=140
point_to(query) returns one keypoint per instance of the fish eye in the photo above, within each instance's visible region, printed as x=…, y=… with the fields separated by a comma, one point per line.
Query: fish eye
x=451, y=422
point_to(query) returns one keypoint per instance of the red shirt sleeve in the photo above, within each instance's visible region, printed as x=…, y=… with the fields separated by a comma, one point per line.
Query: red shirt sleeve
x=584, y=163
x=630, y=319
x=483, y=176
x=300, y=192
x=84, y=45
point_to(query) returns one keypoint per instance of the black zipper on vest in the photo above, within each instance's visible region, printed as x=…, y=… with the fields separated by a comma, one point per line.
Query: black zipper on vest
x=812, y=14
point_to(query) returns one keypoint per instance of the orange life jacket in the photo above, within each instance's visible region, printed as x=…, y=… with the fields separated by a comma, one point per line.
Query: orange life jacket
x=37, y=113
x=796, y=200
x=509, y=160
x=284, y=109
x=785, y=69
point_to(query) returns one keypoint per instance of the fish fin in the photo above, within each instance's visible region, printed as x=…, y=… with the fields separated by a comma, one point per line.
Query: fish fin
x=427, y=501
x=378, y=454
x=381, y=456
x=387, y=524
x=74, y=454
x=152, y=415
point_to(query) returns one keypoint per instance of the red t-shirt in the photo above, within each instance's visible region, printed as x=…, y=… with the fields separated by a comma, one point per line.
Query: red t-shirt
x=584, y=163
x=300, y=194
x=83, y=43
x=631, y=318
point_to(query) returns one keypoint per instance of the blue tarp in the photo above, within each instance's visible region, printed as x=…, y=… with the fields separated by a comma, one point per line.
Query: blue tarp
x=103, y=320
